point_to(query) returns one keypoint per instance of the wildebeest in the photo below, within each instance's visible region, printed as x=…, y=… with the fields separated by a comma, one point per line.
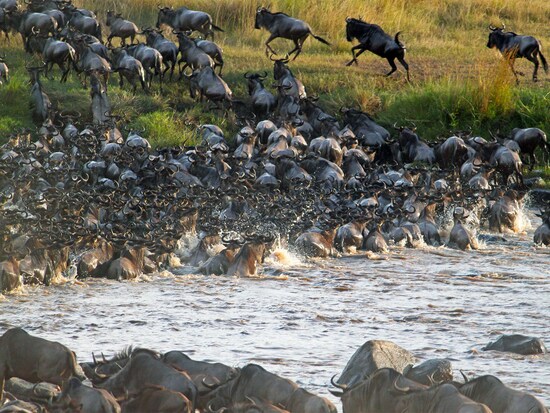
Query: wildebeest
x=35, y=359
x=285, y=80
x=79, y=397
x=166, y=48
x=192, y=55
x=263, y=101
x=490, y=391
x=10, y=276
x=542, y=233
x=120, y=28
x=27, y=21
x=529, y=140
x=128, y=67
x=372, y=38
x=255, y=381
x=53, y=51
x=512, y=46
x=212, y=50
x=41, y=103
x=183, y=19
x=282, y=25
x=150, y=58
x=85, y=24
x=159, y=400
x=101, y=107
x=143, y=370
x=208, y=84
x=4, y=71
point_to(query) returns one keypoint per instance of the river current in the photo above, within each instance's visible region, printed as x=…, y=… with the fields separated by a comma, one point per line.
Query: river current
x=303, y=319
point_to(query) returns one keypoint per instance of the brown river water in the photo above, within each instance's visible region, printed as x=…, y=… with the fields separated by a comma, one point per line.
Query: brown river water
x=303, y=319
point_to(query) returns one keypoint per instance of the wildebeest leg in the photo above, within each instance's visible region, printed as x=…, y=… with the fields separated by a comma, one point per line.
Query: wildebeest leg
x=405, y=65
x=121, y=81
x=298, y=48
x=182, y=68
x=65, y=71
x=391, y=61
x=361, y=47
x=511, y=61
x=533, y=58
x=268, y=47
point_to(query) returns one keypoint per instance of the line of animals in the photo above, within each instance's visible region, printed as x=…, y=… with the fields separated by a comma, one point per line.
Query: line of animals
x=42, y=376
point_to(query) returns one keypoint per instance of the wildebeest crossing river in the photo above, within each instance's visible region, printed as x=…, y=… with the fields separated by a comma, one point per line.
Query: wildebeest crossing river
x=304, y=319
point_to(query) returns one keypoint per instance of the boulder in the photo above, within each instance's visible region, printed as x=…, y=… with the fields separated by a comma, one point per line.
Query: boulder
x=373, y=355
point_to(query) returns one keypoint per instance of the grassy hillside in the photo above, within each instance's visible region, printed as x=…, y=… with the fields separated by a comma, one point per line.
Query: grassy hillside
x=457, y=83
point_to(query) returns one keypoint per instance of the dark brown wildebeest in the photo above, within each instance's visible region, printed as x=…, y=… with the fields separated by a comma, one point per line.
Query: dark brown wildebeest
x=35, y=359
x=499, y=398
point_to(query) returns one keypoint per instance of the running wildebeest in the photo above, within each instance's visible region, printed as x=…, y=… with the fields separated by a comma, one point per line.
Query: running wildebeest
x=512, y=46
x=183, y=19
x=371, y=37
x=282, y=25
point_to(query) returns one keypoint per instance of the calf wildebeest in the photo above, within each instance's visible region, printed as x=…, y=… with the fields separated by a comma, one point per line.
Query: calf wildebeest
x=372, y=38
x=120, y=28
x=282, y=25
x=166, y=48
x=4, y=71
x=490, y=391
x=512, y=46
x=529, y=140
x=35, y=359
x=183, y=19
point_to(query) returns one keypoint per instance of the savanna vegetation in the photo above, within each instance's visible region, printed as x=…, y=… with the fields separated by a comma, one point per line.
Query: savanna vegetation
x=456, y=82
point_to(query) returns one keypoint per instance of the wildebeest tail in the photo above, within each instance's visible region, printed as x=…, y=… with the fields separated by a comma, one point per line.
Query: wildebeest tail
x=396, y=38
x=543, y=60
x=217, y=28
x=320, y=39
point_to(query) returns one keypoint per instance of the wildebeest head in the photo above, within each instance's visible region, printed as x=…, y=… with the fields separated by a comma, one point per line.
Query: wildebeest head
x=496, y=36
x=261, y=15
x=166, y=15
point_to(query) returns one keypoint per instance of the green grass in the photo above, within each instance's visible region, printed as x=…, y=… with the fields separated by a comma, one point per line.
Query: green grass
x=457, y=83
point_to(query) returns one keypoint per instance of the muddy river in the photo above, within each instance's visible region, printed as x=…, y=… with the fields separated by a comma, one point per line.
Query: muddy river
x=304, y=319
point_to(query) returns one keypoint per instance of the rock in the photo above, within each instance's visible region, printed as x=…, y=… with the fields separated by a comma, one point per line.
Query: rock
x=373, y=355
x=431, y=371
x=517, y=343
x=26, y=391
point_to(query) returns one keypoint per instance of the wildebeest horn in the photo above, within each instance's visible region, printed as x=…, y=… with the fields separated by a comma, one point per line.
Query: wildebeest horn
x=492, y=28
x=340, y=386
x=398, y=388
x=210, y=385
x=463, y=375
x=94, y=359
x=210, y=410
x=247, y=76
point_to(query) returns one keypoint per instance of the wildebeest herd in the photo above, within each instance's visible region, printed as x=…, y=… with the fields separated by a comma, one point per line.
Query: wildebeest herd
x=94, y=199
x=380, y=377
